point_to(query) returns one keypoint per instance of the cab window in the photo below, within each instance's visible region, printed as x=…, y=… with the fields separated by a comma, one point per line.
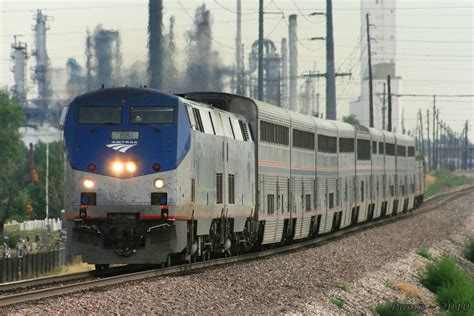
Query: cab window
x=151, y=115
x=100, y=115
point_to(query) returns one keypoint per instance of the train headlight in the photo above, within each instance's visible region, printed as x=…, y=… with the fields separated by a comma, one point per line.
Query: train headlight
x=117, y=166
x=88, y=183
x=159, y=183
x=131, y=166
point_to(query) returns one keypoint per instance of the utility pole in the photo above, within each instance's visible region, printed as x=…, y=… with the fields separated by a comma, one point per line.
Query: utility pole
x=238, y=50
x=389, y=119
x=421, y=132
x=403, y=121
x=260, y=51
x=466, y=143
x=371, y=97
x=443, y=141
x=434, y=133
x=383, y=106
x=47, y=181
x=429, y=143
x=438, y=157
x=331, y=113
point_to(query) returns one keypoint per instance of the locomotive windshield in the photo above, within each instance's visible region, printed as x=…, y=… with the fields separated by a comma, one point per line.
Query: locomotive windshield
x=151, y=115
x=100, y=115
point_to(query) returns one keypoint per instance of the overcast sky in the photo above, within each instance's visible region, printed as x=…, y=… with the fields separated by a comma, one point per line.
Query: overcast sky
x=434, y=41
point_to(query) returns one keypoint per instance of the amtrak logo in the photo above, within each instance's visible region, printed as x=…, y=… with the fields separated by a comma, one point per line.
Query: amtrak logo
x=122, y=146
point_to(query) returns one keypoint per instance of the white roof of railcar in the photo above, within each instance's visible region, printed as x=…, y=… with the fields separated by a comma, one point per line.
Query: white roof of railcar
x=376, y=133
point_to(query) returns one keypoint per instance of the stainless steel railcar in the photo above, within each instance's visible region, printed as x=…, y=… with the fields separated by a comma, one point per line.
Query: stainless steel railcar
x=152, y=176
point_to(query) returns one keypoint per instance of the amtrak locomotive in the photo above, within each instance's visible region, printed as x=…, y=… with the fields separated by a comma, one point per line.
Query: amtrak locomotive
x=152, y=177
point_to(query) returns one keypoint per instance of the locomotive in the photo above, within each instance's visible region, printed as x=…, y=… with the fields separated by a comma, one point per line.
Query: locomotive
x=152, y=177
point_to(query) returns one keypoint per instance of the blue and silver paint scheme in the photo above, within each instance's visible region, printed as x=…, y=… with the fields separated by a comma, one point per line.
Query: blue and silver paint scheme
x=126, y=193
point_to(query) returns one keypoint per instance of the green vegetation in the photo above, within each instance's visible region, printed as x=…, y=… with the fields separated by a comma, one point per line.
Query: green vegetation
x=445, y=180
x=22, y=181
x=424, y=253
x=389, y=309
x=15, y=235
x=11, y=154
x=351, y=119
x=341, y=286
x=338, y=302
x=469, y=251
x=454, y=288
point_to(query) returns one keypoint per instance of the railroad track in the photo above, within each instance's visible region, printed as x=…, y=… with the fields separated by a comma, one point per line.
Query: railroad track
x=89, y=280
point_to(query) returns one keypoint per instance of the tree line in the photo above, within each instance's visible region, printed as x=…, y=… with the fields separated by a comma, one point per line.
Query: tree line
x=23, y=169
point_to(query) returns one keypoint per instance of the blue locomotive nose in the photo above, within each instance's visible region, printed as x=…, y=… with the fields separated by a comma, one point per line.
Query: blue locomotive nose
x=126, y=133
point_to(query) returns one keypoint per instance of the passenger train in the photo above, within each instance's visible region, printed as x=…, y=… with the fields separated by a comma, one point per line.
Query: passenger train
x=152, y=177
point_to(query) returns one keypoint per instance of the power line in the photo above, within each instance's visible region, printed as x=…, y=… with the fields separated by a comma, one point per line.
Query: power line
x=303, y=14
x=428, y=27
x=437, y=95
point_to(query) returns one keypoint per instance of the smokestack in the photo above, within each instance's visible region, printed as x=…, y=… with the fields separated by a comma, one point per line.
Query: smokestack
x=155, y=43
x=272, y=73
x=293, y=50
x=19, y=57
x=89, y=84
x=107, y=56
x=203, y=69
x=238, y=50
x=284, y=73
x=41, y=70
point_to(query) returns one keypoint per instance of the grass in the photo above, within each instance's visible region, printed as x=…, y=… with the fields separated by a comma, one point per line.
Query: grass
x=442, y=181
x=75, y=266
x=338, y=302
x=341, y=286
x=423, y=252
x=388, y=309
x=469, y=250
x=407, y=289
x=452, y=285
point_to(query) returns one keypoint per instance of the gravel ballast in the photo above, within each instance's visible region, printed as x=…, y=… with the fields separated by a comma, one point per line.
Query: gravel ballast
x=360, y=270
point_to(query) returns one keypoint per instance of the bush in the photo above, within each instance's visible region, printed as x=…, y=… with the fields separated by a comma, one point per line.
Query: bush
x=387, y=309
x=12, y=241
x=424, y=253
x=469, y=251
x=441, y=272
x=461, y=293
x=453, y=287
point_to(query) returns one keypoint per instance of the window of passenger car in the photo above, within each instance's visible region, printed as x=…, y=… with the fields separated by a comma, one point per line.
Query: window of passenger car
x=99, y=115
x=151, y=115
x=363, y=149
x=303, y=139
x=327, y=144
x=346, y=145
x=401, y=151
x=274, y=133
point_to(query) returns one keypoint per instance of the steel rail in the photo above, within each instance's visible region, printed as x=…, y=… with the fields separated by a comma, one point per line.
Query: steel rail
x=183, y=268
x=76, y=276
x=18, y=285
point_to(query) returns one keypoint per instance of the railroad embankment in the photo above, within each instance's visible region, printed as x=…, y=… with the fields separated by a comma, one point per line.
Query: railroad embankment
x=440, y=181
x=352, y=275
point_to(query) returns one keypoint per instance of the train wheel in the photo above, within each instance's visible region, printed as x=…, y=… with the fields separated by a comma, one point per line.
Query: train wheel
x=101, y=267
